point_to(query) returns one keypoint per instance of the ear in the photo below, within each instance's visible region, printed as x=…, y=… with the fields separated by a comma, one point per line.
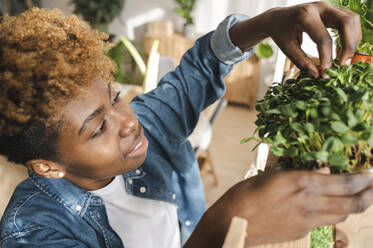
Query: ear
x=46, y=168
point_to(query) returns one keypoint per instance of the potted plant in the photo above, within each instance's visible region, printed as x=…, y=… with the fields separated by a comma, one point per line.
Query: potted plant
x=98, y=13
x=313, y=123
x=184, y=10
x=364, y=8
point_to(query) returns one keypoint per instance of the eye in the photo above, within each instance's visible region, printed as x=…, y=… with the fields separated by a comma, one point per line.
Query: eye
x=116, y=98
x=100, y=131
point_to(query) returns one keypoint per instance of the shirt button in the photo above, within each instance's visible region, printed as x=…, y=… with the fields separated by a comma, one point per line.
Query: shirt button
x=138, y=172
x=78, y=208
x=174, y=196
x=130, y=181
x=143, y=190
x=187, y=223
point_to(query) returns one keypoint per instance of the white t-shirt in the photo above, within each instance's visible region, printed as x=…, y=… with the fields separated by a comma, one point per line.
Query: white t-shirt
x=139, y=222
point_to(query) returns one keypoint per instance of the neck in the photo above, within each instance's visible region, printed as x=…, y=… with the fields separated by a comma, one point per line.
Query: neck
x=88, y=183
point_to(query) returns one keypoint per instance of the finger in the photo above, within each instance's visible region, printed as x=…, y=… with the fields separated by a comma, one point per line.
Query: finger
x=293, y=50
x=319, y=34
x=323, y=170
x=349, y=28
x=337, y=205
x=350, y=36
x=300, y=38
x=325, y=220
x=337, y=185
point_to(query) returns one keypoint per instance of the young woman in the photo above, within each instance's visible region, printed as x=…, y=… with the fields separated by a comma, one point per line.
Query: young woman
x=105, y=173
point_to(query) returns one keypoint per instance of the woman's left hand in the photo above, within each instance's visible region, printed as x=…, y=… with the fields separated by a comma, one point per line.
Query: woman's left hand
x=286, y=26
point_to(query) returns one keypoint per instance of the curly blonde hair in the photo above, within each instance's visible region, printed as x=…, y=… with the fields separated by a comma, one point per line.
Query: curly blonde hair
x=45, y=57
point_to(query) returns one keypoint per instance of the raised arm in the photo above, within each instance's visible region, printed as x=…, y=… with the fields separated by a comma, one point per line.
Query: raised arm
x=173, y=108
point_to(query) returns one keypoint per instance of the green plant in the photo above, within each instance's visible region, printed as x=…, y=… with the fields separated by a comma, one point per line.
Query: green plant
x=98, y=13
x=131, y=67
x=312, y=123
x=127, y=70
x=365, y=9
x=185, y=9
x=263, y=50
x=322, y=237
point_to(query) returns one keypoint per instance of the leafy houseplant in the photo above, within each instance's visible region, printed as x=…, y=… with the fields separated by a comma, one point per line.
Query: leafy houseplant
x=127, y=70
x=98, y=13
x=185, y=9
x=312, y=123
x=365, y=9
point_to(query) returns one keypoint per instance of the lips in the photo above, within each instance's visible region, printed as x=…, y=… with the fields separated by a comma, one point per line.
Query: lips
x=140, y=147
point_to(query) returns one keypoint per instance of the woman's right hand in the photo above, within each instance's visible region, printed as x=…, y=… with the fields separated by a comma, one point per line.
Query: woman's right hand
x=282, y=206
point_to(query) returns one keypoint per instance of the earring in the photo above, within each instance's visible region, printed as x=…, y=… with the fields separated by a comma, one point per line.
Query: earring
x=61, y=174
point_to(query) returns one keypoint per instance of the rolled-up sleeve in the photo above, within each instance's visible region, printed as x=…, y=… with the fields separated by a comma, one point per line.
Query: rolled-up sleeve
x=222, y=45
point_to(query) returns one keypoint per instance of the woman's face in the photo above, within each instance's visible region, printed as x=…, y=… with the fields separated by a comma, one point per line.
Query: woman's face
x=100, y=137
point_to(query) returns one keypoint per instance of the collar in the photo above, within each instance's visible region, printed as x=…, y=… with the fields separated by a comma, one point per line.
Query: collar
x=73, y=198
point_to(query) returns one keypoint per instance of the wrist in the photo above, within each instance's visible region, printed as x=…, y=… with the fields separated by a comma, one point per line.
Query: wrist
x=248, y=33
x=210, y=231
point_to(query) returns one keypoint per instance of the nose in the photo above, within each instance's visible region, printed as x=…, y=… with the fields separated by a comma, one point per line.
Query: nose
x=128, y=125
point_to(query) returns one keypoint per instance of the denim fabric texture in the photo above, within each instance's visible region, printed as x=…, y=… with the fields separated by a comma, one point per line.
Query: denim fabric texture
x=55, y=213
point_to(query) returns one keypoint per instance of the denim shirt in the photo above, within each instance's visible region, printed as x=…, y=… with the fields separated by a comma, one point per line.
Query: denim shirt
x=55, y=213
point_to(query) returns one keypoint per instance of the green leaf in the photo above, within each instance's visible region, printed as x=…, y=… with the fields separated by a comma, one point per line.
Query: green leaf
x=313, y=113
x=273, y=111
x=245, y=140
x=277, y=151
x=310, y=128
x=326, y=110
x=351, y=118
x=288, y=110
x=263, y=50
x=333, y=144
x=349, y=139
x=301, y=105
x=362, y=126
x=338, y=160
x=296, y=126
x=331, y=72
x=342, y=94
x=279, y=139
x=291, y=152
x=308, y=156
x=339, y=127
x=322, y=155
x=368, y=136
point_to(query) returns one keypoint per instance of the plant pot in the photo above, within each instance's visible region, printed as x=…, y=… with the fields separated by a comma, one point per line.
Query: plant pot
x=363, y=57
x=355, y=232
x=189, y=31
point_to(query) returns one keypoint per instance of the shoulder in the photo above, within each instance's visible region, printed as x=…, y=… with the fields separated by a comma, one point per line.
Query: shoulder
x=28, y=210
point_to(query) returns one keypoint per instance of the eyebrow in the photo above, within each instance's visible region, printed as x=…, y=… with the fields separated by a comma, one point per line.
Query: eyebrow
x=109, y=90
x=93, y=115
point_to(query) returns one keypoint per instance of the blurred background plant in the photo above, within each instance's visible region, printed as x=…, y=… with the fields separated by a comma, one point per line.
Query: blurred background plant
x=97, y=12
x=127, y=70
x=365, y=9
x=264, y=50
x=14, y=7
x=185, y=9
x=131, y=65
